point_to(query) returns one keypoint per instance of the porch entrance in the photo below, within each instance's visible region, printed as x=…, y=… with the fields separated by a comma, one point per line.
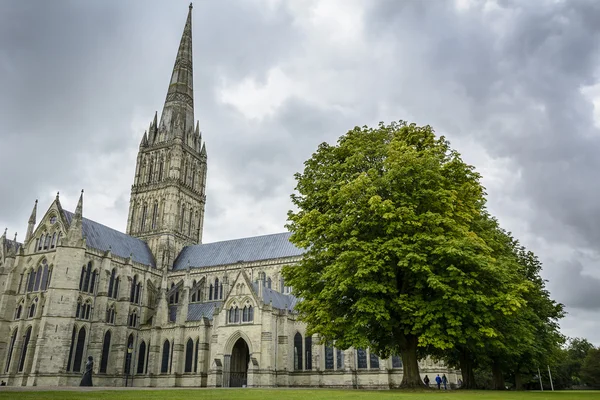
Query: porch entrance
x=238, y=368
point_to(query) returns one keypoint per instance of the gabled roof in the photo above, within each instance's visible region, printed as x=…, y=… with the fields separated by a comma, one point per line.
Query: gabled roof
x=256, y=248
x=103, y=238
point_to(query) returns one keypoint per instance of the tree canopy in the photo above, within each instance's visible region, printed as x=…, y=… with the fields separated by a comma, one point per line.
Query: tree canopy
x=399, y=252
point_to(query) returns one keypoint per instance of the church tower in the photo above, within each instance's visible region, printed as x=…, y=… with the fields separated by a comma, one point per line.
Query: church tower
x=166, y=208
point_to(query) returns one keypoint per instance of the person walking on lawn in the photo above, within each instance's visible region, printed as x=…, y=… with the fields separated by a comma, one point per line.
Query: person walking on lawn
x=445, y=381
x=438, y=380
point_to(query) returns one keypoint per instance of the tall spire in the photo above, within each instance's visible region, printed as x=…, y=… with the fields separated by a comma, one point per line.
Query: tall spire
x=177, y=117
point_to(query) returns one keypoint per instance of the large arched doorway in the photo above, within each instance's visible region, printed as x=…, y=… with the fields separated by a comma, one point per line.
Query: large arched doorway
x=240, y=357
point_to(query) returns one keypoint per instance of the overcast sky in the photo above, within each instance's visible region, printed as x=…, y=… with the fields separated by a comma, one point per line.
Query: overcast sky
x=512, y=84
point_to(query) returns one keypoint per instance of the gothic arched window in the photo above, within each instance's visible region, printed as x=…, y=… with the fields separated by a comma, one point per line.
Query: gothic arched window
x=30, y=281
x=298, y=351
x=308, y=351
x=164, y=365
x=11, y=347
x=19, y=310
x=113, y=284
x=45, y=280
x=141, y=358
x=128, y=356
x=32, y=308
x=144, y=212
x=216, y=296
x=110, y=315
x=53, y=243
x=105, y=352
x=24, y=349
x=154, y=215
x=47, y=242
x=38, y=279
x=196, y=355
x=70, y=359
x=189, y=355
x=210, y=292
x=79, y=350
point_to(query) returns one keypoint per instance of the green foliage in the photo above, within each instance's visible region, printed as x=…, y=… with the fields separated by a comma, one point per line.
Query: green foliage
x=570, y=362
x=590, y=370
x=389, y=219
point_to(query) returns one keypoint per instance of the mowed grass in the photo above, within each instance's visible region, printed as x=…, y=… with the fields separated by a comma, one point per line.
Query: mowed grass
x=294, y=394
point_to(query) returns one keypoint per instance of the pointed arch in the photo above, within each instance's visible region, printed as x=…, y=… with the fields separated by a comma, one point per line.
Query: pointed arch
x=105, y=351
x=11, y=347
x=166, y=350
x=298, y=351
x=70, y=359
x=24, y=349
x=141, y=358
x=127, y=368
x=79, y=350
x=189, y=355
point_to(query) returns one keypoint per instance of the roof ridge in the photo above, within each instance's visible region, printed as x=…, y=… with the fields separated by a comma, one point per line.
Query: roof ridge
x=241, y=238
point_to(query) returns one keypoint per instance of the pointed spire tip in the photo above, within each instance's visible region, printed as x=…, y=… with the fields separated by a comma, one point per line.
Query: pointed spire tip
x=191, y=6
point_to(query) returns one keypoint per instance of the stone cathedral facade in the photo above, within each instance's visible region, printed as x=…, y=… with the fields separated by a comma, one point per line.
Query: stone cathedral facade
x=155, y=306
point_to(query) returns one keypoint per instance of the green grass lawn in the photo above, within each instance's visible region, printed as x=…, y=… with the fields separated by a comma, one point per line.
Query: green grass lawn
x=291, y=394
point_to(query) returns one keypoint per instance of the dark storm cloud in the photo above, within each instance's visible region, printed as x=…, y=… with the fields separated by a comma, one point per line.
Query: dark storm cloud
x=80, y=81
x=576, y=288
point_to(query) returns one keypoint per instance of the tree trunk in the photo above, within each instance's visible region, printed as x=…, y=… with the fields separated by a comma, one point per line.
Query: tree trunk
x=518, y=381
x=411, y=377
x=498, y=376
x=466, y=368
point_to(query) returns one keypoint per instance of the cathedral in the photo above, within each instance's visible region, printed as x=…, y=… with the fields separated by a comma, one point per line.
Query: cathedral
x=155, y=306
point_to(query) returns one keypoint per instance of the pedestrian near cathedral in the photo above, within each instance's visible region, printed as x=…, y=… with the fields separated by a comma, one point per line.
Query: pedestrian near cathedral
x=445, y=381
x=426, y=381
x=438, y=380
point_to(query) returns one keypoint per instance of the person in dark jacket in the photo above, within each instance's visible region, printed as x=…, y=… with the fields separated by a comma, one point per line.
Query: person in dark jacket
x=445, y=381
x=426, y=380
x=438, y=380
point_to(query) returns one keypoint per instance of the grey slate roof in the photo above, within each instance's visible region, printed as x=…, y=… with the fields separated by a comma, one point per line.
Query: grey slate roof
x=103, y=238
x=254, y=248
x=198, y=310
x=277, y=299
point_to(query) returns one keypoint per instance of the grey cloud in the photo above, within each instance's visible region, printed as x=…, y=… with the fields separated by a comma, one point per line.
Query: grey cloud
x=576, y=288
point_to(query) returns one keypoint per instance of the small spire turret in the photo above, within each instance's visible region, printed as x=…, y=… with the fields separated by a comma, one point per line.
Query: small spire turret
x=31, y=222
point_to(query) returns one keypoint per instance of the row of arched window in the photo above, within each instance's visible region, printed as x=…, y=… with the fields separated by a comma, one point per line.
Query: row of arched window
x=133, y=320
x=334, y=358
x=23, y=353
x=236, y=315
x=84, y=309
x=47, y=241
x=37, y=279
x=143, y=355
x=31, y=309
x=215, y=292
x=87, y=281
x=76, y=350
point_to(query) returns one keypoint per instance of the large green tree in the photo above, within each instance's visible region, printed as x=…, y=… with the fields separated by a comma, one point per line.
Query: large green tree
x=392, y=261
